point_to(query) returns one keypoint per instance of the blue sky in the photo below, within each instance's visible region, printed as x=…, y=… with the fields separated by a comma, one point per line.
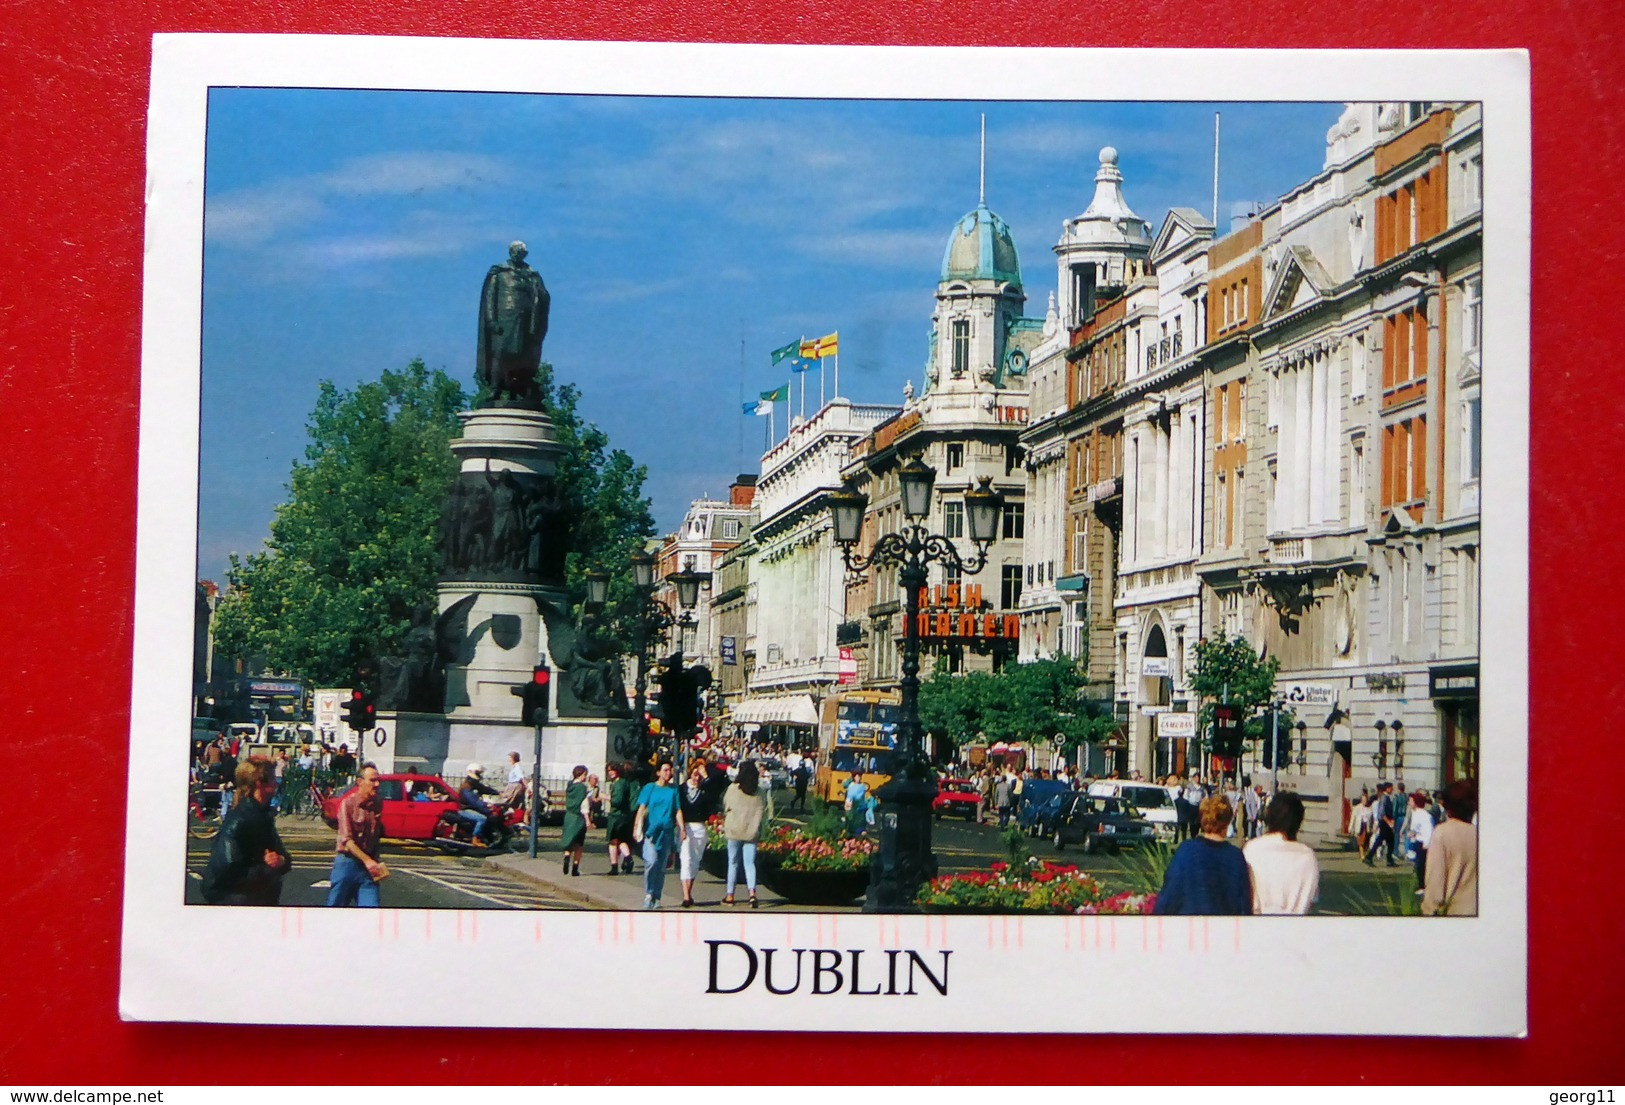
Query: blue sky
x=347, y=232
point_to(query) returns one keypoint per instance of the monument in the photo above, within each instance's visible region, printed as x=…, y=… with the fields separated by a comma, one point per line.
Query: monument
x=505, y=532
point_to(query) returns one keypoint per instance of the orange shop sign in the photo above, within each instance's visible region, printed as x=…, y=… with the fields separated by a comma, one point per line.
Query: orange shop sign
x=957, y=610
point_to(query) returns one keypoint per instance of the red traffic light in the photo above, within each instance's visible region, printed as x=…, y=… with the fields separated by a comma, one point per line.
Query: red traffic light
x=541, y=675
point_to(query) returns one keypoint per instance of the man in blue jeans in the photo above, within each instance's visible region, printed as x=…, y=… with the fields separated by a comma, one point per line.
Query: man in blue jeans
x=659, y=826
x=356, y=868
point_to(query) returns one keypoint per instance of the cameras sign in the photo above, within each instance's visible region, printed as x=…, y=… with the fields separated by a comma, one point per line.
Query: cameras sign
x=1174, y=726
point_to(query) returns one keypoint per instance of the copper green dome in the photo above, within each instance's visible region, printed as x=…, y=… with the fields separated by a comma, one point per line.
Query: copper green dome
x=980, y=248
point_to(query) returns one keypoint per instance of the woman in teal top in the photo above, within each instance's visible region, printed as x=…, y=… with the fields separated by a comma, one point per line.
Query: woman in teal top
x=576, y=796
x=659, y=827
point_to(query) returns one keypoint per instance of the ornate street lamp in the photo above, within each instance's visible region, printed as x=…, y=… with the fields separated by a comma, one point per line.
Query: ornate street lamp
x=653, y=619
x=597, y=589
x=905, y=859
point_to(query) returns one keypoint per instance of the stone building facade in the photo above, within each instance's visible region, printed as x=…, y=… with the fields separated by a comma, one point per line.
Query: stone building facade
x=966, y=425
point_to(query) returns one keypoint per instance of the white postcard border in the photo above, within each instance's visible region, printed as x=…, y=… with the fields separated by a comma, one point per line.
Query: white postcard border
x=619, y=970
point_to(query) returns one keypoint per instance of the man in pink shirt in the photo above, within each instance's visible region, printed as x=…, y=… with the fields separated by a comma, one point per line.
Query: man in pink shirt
x=357, y=870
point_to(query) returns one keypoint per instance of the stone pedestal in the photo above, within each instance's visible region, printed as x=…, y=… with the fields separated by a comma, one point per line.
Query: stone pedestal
x=506, y=545
x=503, y=608
x=445, y=746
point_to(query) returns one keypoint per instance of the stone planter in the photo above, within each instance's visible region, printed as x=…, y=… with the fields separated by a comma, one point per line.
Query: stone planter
x=715, y=863
x=831, y=888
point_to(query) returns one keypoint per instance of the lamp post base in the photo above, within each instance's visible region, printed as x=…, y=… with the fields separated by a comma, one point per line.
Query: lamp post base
x=905, y=861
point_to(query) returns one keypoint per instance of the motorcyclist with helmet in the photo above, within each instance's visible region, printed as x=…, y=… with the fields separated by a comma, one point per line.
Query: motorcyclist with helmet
x=474, y=808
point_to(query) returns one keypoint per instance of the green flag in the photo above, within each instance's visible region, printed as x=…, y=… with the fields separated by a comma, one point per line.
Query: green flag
x=778, y=394
x=791, y=350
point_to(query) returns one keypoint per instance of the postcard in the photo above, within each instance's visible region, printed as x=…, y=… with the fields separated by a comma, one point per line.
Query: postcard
x=786, y=526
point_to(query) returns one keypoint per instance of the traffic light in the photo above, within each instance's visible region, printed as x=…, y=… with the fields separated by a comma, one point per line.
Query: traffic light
x=359, y=713
x=535, y=708
x=679, y=709
x=1226, y=730
x=1277, y=746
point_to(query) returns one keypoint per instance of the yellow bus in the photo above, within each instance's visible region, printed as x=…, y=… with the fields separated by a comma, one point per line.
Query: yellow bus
x=856, y=736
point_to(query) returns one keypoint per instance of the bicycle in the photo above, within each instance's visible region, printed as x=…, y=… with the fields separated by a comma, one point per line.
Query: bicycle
x=311, y=799
x=203, y=816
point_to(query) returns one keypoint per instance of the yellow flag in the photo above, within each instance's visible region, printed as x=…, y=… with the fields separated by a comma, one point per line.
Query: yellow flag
x=826, y=346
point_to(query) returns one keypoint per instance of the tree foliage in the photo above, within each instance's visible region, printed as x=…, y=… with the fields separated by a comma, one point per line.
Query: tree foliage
x=1228, y=666
x=606, y=487
x=1036, y=701
x=352, y=552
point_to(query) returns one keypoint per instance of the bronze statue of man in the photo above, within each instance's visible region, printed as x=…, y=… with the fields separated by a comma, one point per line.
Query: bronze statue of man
x=513, y=321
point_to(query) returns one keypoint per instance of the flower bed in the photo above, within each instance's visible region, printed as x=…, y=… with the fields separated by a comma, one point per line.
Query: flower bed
x=795, y=849
x=1040, y=886
x=1127, y=902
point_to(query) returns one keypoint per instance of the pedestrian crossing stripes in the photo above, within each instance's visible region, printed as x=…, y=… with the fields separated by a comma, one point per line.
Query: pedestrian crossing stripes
x=459, y=876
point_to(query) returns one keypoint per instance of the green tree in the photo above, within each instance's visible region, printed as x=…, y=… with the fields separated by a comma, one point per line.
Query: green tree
x=1228, y=666
x=614, y=519
x=352, y=552
x=954, y=706
x=1033, y=702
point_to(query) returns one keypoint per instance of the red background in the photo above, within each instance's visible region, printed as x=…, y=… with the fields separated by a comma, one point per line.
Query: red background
x=74, y=82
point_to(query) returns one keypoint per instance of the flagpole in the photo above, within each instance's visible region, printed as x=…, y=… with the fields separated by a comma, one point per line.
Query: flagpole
x=837, y=375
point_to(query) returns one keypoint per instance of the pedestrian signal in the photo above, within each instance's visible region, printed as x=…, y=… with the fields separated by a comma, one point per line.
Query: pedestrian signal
x=1226, y=730
x=534, y=696
x=1278, y=748
x=360, y=715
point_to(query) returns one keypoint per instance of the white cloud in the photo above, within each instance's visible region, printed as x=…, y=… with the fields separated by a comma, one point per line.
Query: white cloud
x=624, y=291
x=413, y=172
x=885, y=247
x=259, y=215
x=253, y=216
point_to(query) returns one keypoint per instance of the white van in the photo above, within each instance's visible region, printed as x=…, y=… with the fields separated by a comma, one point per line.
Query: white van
x=1154, y=801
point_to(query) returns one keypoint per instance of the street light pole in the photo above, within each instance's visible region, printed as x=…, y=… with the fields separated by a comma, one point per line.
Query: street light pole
x=905, y=859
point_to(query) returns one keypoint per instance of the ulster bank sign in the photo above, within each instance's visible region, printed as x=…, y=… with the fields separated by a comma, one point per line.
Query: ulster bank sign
x=953, y=610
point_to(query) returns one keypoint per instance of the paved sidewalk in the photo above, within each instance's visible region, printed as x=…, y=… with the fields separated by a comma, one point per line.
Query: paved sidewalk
x=594, y=888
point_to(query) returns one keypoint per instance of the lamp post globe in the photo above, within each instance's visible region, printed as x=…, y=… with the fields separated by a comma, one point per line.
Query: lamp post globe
x=643, y=570
x=597, y=588
x=916, y=479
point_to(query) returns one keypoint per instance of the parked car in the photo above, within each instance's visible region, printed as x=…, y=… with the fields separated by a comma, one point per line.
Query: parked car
x=1155, y=802
x=1041, y=817
x=1036, y=794
x=1100, y=822
x=957, y=798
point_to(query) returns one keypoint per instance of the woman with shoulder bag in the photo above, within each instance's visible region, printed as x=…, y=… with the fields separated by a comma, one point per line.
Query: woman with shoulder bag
x=743, y=810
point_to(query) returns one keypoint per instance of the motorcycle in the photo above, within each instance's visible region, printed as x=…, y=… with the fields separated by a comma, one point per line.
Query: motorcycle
x=454, y=833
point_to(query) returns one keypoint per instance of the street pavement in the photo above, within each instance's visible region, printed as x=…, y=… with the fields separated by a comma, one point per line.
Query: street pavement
x=420, y=878
x=429, y=879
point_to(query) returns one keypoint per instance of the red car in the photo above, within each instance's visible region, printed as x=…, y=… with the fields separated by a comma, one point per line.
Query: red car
x=957, y=797
x=414, y=809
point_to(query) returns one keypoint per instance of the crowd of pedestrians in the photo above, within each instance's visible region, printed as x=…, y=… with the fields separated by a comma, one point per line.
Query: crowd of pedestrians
x=1275, y=873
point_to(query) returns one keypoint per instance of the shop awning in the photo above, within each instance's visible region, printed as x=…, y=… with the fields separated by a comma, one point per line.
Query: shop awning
x=789, y=709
